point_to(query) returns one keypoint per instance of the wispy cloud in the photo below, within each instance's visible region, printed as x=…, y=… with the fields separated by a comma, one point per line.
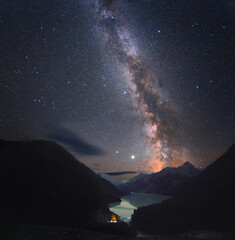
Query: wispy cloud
x=73, y=141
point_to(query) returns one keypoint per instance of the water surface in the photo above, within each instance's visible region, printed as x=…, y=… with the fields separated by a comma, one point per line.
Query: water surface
x=132, y=201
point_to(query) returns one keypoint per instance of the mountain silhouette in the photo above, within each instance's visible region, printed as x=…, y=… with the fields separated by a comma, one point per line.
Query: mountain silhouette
x=114, y=181
x=167, y=181
x=206, y=202
x=42, y=183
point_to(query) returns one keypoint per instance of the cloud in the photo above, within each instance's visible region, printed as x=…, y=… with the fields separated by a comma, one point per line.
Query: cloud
x=73, y=141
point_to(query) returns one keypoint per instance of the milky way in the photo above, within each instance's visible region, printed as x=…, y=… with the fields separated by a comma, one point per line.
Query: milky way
x=160, y=122
x=139, y=85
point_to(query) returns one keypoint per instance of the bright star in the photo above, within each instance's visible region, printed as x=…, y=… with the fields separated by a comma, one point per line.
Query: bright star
x=132, y=157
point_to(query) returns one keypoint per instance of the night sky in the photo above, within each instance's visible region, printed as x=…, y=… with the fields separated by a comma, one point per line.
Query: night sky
x=146, y=84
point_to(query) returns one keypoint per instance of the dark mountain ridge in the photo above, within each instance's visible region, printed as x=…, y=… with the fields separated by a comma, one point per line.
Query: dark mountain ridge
x=42, y=183
x=167, y=181
x=206, y=202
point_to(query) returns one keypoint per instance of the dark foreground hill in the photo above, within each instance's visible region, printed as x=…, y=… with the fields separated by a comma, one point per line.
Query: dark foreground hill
x=42, y=183
x=205, y=203
x=167, y=181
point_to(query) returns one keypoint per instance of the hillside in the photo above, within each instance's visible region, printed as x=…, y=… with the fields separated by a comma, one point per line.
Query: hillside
x=114, y=181
x=42, y=183
x=167, y=181
x=205, y=203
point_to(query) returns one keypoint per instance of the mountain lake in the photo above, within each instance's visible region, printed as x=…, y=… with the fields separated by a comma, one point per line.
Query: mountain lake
x=132, y=201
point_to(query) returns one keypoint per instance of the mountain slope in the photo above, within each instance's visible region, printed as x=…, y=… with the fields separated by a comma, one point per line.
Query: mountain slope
x=114, y=181
x=133, y=183
x=205, y=203
x=42, y=183
x=165, y=182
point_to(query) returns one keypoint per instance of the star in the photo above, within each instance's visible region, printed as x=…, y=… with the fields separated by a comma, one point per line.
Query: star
x=146, y=92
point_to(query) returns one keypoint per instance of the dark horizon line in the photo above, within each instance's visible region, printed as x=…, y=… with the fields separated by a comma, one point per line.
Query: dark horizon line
x=119, y=173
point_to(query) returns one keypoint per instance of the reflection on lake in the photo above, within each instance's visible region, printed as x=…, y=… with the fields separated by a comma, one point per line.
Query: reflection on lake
x=132, y=201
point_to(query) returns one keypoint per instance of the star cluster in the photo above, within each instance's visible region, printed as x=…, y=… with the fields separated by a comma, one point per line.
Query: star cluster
x=149, y=82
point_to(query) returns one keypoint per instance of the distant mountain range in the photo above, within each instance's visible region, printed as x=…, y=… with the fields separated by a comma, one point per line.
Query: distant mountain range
x=114, y=181
x=167, y=181
x=42, y=183
x=204, y=202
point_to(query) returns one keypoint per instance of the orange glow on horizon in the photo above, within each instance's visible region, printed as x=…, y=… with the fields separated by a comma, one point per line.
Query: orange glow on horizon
x=156, y=165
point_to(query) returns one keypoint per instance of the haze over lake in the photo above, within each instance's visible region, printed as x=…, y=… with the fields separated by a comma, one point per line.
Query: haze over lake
x=132, y=201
